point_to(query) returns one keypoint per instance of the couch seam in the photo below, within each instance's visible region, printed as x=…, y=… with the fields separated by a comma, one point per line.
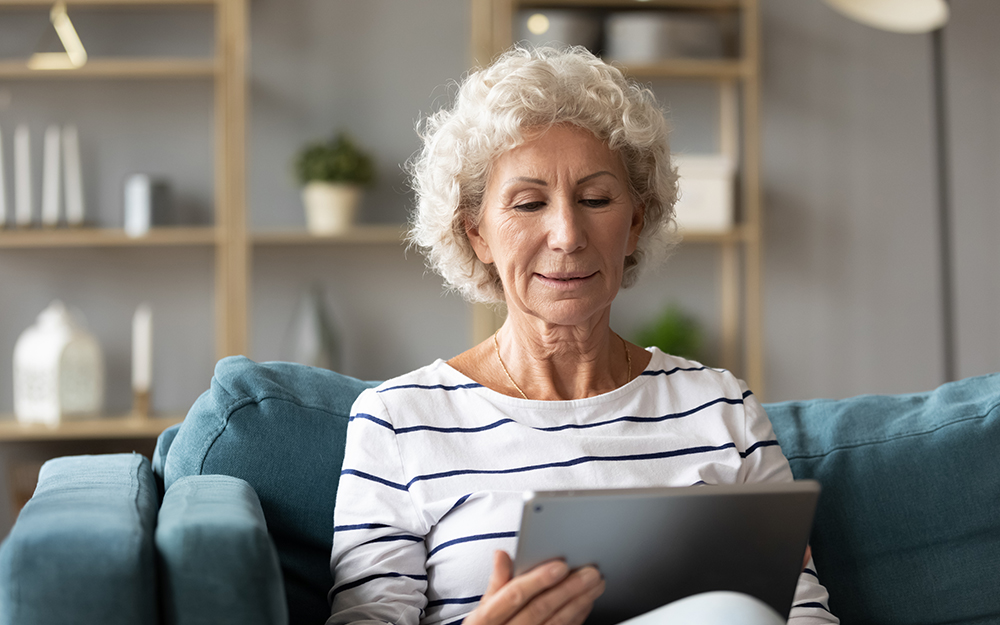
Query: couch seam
x=894, y=438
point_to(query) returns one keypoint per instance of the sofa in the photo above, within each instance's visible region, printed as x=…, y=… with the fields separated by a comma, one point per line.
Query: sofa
x=231, y=519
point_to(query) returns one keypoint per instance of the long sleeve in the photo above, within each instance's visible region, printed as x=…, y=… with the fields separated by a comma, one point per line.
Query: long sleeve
x=378, y=558
x=764, y=462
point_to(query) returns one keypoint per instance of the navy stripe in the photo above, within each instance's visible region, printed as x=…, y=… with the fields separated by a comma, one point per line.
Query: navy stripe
x=458, y=622
x=371, y=578
x=554, y=428
x=390, y=539
x=550, y=465
x=456, y=430
x=432, y=387
x=457, y=600
x=811, y=572
x=368, y=417
x=359, y=526
x=469, y=539
x=813, y=604
x=747, y=394
x=458, y=503
x=373, y=478
x=756, y=446
x=676, y=415
x=672, y=371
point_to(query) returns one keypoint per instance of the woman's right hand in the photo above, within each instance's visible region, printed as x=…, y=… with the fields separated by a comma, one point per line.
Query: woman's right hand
x=549, y=594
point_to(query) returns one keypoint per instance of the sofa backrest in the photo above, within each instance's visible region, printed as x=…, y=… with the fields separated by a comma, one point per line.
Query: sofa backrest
x=908, y=525
x=281, y=427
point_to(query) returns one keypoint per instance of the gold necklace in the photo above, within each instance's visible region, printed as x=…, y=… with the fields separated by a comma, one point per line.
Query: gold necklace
x=496, y=347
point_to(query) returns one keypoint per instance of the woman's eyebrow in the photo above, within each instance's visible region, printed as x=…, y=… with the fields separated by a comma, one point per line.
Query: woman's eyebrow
x=524, y=179
x=595, y=175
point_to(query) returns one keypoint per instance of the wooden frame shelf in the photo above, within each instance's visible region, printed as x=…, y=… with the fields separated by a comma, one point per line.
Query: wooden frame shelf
x=97, y=428
x=362, y=234
x=105, y=237
x=131, y=68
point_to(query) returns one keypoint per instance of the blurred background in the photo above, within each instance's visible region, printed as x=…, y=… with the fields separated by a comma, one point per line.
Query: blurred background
x=845, y=297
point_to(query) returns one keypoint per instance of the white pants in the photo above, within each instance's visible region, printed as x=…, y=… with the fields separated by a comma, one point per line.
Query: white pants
x=711, y=608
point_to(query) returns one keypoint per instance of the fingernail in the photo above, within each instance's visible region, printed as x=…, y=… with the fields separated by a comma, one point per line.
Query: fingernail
x=557, y=570
x=590, y=575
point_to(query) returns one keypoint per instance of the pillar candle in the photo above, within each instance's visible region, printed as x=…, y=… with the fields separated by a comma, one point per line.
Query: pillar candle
x=22, y=176
x=50, y=177
x=3, y=186
x=73, y=176
x=142, y=349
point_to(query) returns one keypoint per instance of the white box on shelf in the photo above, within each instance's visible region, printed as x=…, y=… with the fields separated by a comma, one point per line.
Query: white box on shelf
x=650, y=36
x=705, y=202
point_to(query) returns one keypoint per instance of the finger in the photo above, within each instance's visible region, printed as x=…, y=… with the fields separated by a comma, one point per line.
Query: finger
x=514, y=596
x=503, y=570
x=563, y=601
x=807, y=558
x=578, y=609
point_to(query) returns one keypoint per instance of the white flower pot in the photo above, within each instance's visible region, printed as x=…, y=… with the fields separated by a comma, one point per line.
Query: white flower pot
x=330, y=207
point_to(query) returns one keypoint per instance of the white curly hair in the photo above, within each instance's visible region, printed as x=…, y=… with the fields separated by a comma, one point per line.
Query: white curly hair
x=533, y=88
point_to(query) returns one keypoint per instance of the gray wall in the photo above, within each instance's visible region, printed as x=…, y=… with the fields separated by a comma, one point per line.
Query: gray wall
x=850, y=266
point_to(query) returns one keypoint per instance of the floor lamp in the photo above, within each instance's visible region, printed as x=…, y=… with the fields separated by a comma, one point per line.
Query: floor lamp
x=925, y=16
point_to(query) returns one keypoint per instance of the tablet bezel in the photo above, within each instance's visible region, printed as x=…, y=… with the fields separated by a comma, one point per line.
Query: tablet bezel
x=756, y=534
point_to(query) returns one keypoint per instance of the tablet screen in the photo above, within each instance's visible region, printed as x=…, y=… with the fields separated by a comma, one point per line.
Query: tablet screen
x=655, y=546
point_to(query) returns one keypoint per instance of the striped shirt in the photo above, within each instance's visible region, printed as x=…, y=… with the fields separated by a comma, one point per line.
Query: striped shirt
x=436, y=466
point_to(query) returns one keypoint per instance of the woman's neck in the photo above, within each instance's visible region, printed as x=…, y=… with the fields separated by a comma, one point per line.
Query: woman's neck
x=550, y=362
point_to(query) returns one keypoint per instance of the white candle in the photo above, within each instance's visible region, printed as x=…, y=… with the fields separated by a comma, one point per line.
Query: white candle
x=74, y=178
x=142, y=348
x=22, y=176
x=50, y=177
x=3, y=186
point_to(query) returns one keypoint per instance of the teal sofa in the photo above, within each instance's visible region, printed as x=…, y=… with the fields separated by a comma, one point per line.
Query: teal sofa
x=231, y=520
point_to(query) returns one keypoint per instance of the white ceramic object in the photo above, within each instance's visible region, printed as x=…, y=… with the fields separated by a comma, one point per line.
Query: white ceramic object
x=705, y=202
x=650, y=36
x=900, y=16
x=3, y=186
x=568, y=26
x=330, y=208
x=58, y=370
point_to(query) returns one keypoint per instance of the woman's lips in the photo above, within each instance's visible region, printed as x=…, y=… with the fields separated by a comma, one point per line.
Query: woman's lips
x=565, y=279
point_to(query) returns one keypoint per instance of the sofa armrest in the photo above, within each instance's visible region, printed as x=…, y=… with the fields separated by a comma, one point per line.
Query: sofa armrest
x=218, y=563
x=82, y=550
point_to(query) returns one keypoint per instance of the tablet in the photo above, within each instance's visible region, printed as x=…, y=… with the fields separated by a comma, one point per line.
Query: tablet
x=657, y=545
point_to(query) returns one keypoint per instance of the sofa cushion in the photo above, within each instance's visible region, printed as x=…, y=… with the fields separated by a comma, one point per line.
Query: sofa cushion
x=281, y=427
x=908, y=525
x=81, y=550
x=217, y=562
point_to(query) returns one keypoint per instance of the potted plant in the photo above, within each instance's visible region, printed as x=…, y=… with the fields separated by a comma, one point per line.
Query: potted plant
x=332, y=175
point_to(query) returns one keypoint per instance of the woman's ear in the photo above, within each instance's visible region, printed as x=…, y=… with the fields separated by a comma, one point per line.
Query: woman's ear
x=478, y=242
x=638, y=222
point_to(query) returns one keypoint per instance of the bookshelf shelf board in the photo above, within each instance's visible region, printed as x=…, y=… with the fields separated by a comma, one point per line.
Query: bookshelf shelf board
x=358, y=235
x=99, y=428
x=105, y=237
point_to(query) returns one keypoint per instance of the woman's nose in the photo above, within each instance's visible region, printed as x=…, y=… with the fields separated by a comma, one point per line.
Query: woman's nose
x=566, y=228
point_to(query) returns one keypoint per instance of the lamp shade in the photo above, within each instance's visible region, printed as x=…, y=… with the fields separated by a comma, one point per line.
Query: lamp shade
x=900, y=16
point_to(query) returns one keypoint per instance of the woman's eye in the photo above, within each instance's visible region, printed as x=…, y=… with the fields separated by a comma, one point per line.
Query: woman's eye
x=595, y=202
x=529, y=207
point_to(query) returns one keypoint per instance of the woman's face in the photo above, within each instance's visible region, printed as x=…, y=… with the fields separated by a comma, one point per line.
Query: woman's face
x=557, y=221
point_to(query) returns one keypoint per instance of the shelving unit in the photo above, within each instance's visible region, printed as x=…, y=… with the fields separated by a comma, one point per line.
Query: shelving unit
x=738, y=79
x=225, y=69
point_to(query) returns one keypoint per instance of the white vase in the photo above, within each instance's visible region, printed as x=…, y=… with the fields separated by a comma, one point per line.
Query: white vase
x=330, y=207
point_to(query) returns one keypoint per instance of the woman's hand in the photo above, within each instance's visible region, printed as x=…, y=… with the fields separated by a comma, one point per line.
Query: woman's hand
x=548, y=594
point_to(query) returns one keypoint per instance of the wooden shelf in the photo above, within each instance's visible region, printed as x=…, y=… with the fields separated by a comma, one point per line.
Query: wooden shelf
x=357, y=235
x=92, y=3
x=101, y=428
x=712, y=69
x=133, y=68
x=637, y=4
x=105, y=237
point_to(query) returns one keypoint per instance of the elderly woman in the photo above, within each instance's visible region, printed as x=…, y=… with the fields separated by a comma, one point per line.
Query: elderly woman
x=543, y=188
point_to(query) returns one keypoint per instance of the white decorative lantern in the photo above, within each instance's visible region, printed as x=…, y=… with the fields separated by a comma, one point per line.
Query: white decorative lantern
x=58, y=370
